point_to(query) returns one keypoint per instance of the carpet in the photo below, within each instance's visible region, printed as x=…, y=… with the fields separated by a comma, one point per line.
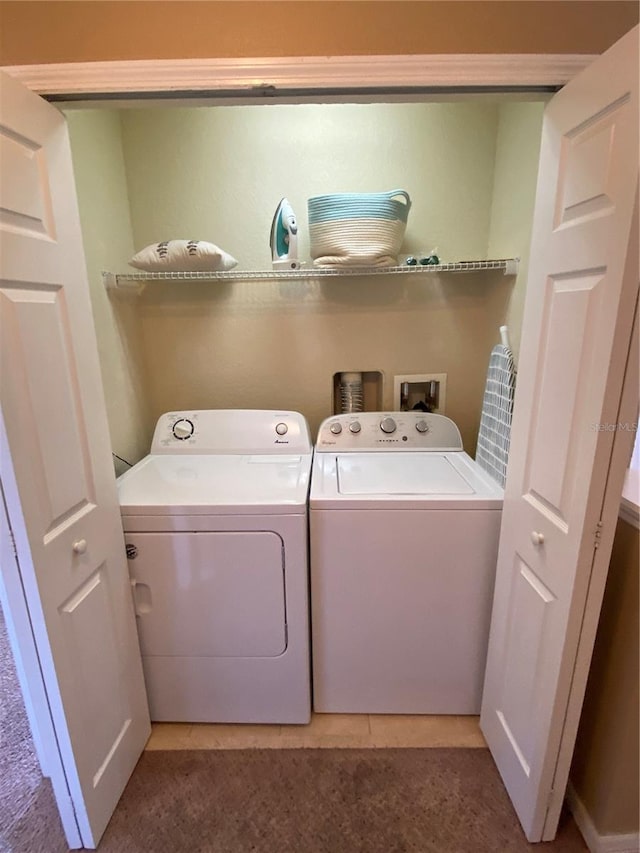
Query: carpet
x=29, y=821
x=321, y=801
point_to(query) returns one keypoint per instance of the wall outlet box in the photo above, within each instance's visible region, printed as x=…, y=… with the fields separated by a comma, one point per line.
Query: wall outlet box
x=420, y=389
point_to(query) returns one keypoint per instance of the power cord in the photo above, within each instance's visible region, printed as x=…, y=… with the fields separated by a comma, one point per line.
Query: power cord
x=121, y=459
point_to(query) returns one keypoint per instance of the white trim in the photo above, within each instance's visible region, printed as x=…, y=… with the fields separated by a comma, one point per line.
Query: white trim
x=595, y=842
x=629, y=506
x=305, y=72
x=630, y=513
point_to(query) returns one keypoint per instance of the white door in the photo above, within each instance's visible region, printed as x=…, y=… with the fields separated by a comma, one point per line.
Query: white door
x=71, y=556
x=582, y=290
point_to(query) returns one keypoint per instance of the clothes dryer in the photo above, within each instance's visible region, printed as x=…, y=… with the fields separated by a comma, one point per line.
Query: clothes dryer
x=215, y=521
x=404, y=530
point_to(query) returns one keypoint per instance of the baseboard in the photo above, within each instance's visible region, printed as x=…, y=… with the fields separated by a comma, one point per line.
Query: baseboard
x=595, y=842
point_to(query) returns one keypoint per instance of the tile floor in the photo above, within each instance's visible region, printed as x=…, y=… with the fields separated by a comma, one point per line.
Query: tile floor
x=324, y=731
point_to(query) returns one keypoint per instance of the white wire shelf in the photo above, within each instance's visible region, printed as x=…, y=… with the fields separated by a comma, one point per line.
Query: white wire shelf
x=136, y=280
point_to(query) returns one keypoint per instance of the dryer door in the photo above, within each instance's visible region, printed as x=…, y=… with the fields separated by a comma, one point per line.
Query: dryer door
x=209, y=594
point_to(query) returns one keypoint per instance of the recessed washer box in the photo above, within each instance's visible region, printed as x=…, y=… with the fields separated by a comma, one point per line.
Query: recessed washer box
x=419, y=390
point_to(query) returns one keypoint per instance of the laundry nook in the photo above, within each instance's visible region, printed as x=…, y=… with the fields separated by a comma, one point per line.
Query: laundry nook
x=317, y=407
x=361, y=300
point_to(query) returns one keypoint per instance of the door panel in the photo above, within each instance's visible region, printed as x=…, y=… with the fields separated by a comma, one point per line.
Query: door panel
x=581, y=293
x=26, y=197
x=565, y=362
x=585, y=187
x=528, y=613
x=36, y=337
x=73, y=563
x=86, y=614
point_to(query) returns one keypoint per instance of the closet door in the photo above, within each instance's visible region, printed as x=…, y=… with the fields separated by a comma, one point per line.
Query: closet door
x=56, y=466
x=560, y=504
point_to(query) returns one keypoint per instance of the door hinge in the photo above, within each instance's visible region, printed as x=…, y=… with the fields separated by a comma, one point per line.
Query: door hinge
x=597, y=535
x=13, y=543
x=550, y=800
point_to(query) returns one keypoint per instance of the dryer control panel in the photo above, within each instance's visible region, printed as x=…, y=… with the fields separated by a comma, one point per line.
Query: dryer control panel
x=388, y=431
x=242, y=431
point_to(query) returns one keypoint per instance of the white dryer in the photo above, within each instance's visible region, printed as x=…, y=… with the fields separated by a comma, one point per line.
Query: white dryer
x=215, y=522
x=404, y=531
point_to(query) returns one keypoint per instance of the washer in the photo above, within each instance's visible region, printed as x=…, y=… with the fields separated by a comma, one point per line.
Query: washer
x=215, y=521
x=404, y=531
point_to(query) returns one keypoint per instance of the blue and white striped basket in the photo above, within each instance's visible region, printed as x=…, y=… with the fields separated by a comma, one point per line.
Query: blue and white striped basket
x=357, y=229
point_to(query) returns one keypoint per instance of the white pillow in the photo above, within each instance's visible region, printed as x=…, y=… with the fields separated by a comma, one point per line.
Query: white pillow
x=182, y=256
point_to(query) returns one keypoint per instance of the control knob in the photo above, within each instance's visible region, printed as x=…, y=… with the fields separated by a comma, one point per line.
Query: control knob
x=182, y=429
x=388, y=425
x=282, y=429
x=335, y=428
x=422, y=426
x=355, y=427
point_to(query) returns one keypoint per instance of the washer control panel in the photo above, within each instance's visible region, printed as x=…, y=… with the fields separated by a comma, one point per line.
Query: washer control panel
x=249, y=431
x=388, y=431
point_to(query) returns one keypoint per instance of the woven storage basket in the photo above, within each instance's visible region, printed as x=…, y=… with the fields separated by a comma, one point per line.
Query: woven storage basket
x=357, y=229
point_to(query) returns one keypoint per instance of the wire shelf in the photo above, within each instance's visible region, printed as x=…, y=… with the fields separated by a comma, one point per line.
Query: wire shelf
x=126, y=280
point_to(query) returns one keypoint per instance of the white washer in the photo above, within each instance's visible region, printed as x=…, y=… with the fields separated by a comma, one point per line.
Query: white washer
x=404, y=531
x=215, y=521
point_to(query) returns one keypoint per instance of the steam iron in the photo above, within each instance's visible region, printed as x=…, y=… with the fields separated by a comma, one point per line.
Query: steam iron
x=284, y=238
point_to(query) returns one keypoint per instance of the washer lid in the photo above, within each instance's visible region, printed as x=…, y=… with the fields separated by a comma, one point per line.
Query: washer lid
x=399, y=474
x=215, y=484
x=429, y=479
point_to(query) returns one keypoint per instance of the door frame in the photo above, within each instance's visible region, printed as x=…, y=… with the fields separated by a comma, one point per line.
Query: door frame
x=628, y=401
x=261, y=80
x=300, y=77
x=618, y=464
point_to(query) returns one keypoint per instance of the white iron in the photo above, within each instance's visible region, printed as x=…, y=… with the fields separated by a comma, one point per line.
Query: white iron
x=284, y=238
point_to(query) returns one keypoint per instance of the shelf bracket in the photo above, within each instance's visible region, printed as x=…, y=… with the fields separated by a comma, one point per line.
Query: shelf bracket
x=112, y=281
x=512, y=266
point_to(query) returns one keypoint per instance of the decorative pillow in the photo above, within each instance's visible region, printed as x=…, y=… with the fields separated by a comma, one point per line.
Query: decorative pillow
x=182, y=256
